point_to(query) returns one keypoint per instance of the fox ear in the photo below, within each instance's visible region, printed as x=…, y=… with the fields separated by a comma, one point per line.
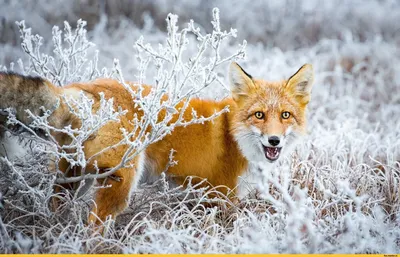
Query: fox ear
x=300, y=83
x=240, y=81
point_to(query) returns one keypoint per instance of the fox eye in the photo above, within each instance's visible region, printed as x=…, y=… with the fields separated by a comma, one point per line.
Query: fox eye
x=259, y=115
x=285, y=115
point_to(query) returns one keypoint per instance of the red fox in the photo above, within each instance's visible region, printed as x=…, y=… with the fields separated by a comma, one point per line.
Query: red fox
x=264, y=120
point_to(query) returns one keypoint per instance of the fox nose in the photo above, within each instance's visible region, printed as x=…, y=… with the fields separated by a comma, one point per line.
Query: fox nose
x=274, y=140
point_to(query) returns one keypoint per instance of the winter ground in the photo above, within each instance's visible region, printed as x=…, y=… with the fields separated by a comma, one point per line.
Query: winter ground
x=339, y=193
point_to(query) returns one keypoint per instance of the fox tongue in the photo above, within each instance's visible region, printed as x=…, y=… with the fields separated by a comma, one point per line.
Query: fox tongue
x=272, y=152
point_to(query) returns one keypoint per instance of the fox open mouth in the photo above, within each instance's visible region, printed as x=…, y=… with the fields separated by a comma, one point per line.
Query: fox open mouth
x=272, y=153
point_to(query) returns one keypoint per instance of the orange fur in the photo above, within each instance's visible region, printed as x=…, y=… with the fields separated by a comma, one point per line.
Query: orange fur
x=215, y=150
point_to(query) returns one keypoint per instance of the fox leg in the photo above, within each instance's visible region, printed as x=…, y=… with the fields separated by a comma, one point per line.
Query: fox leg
x=114, y=197
x=61, y=190
x=220, y=188
x=59, y=193
x=224, y=188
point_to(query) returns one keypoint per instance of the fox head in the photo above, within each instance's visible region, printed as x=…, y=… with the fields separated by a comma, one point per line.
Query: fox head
x=269, y=116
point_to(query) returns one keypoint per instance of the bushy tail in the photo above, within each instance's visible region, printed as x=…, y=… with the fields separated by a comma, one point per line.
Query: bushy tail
x=25, y=92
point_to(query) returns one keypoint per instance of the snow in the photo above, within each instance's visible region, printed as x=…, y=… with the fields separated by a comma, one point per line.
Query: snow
x=337, y=193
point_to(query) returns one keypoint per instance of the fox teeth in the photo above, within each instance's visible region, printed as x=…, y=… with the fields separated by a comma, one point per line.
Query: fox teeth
x=272, y=153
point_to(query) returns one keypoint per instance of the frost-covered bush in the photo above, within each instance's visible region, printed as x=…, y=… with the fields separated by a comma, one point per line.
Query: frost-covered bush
x=338, y=193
